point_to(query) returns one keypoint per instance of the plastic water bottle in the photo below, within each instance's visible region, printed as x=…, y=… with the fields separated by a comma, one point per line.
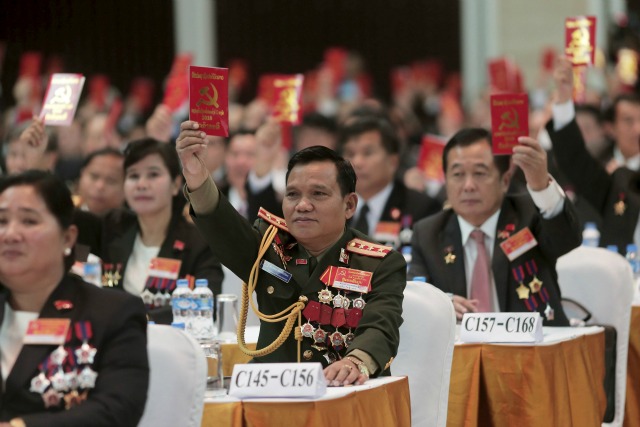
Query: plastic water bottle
x=406, y=233
x=181, y=302
x=634, y=261
x=406, y=253
x=202, y=321
x=591, y=235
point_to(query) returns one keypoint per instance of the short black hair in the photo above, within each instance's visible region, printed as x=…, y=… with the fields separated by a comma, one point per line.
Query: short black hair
x=357, y=125
x=612, y=111
x=470, y=136
x=346, y=176
x=319, y=121
x=106, y=151
x=54, y=193
x=590, y=110
x=141, y=148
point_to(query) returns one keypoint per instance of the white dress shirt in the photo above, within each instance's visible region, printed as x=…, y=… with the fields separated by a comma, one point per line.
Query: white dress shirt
x=135, y=276
x=12, y=332
x=376, y=206
x=550, y=201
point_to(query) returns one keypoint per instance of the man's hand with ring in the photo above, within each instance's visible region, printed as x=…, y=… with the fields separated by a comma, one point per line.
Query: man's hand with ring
x=343, y=372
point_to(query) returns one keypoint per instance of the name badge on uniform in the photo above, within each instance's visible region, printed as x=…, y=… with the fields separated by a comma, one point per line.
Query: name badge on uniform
x=47, y=331
x=275, y=271
x=518, y=244
x=350, y=279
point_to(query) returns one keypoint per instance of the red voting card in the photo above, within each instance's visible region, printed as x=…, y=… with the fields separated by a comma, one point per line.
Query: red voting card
x=287, y=97
x=177, y=90
x=99, y=90
x=430, y=158
x=509, y=120
x=548, y=59
x=580, y=40
x=61, y=99
x=209, y=99
x=501, y=75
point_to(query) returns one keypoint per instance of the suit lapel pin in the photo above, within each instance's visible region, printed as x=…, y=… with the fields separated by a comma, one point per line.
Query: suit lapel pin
x=63, y=305
x=395, y=214
x=178, y=245
x=506, y=233
x=450, y=257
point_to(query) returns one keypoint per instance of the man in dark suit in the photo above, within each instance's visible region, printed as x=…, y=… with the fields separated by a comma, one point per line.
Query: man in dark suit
x=614, y=196
x=353, y=333
x=372, y=147
x=459, y=250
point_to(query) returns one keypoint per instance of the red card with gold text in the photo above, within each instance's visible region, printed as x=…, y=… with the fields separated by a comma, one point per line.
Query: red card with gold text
x=580, y=40
x=501, y=75
x=177, y=89
x=61, y=99
x=430, y=158
x=287, y=97
x=209, y=99
x=509, y=120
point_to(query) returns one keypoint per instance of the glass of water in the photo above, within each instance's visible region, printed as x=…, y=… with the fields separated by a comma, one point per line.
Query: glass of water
x=226, y=324
x=215, y=375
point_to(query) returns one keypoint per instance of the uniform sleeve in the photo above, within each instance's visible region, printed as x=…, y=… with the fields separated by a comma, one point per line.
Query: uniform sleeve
x=119, y=396
x=378, y=333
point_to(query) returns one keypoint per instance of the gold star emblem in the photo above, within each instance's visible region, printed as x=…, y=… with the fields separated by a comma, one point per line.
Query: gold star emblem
x=449, y=258
x=619, y=207
x=535, y=284
x=523, y=291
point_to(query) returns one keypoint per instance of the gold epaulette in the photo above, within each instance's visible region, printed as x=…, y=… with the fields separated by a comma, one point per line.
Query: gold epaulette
x=273, y=219
x=362, y=247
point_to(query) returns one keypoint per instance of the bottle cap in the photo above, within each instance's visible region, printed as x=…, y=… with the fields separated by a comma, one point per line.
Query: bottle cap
x=420, y=279
x=632, y=248
x=177, y=325
x=201, y=282
x=613, y=248
x=182, y=282
x=590, y=226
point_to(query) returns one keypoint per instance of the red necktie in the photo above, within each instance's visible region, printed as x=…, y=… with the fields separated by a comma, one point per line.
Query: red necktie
x=481, y=279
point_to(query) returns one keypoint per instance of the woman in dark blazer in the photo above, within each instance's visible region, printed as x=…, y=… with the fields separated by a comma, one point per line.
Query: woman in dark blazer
x=97, y=374
x=153, y=228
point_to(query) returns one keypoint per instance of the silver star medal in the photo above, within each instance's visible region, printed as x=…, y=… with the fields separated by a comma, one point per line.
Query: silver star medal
x=59, y=381
x=72, y=379
x=87, y=378
x=58, y=356
x=52, y=398
x=39, y=383
x=85, y=354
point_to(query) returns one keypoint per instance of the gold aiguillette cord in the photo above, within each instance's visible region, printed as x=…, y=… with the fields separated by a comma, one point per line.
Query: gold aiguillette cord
x=294, y=310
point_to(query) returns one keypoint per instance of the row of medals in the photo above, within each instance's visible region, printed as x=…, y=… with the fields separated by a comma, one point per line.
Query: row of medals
x=337, y=339
x=52, y=385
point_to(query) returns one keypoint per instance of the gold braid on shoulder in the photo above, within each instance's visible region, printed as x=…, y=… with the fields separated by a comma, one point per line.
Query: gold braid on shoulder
x=289, y=314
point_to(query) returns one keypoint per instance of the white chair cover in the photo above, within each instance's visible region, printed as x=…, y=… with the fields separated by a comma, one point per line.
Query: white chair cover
x=177, y=380
x=603, y=283
x=425, y=352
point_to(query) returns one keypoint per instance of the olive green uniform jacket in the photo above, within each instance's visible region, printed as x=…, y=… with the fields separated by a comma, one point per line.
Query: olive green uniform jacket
x=235, y=242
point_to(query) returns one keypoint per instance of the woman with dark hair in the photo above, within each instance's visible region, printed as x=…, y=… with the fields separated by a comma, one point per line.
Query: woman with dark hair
x=154, y=232
x=92, y=367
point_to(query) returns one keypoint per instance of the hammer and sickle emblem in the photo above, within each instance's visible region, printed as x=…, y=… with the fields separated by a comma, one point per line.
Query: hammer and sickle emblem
x=509, y=120
x=210, y=100
x=62, y=95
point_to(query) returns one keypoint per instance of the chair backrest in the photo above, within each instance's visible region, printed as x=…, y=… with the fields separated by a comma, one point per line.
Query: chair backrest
x=177, y=380
x=425, y=352
x=603, y=283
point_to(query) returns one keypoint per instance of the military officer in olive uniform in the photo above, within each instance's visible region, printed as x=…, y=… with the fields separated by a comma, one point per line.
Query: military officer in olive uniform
x=353, y=311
